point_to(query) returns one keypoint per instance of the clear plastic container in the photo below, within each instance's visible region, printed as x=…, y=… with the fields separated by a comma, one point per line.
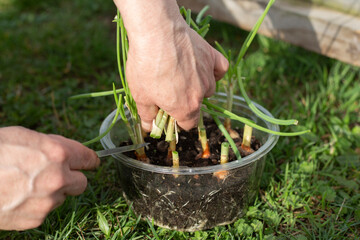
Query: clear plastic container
x=192, y=199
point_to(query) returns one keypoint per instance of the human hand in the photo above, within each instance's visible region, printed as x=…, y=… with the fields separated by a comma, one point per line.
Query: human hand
x=37, y=172
x=169, y=65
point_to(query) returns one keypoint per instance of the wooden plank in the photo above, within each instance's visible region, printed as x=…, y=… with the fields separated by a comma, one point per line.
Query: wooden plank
x=345, y=6
x=317, y=28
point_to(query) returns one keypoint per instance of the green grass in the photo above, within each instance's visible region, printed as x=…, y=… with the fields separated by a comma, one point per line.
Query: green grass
x=310, y=187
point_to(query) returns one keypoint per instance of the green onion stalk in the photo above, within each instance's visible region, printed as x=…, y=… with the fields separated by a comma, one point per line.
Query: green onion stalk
x=171, y=149
x=255, y=109
x=247, y=136
x=118, y=111
x=134, y=128
x=228, y=85
x=231, y=75
x=170, y=132
x=119, y=102
x=246, y=143
x=203, y=138
x=215, y=110
x=171, y=136
x=159, y=124
x=201, y=26
x=224, y=158
x=224, y=155
x=176, y=161
x=226, y=134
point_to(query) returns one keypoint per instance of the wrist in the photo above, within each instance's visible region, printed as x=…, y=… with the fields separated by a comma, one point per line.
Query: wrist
x=149, y=19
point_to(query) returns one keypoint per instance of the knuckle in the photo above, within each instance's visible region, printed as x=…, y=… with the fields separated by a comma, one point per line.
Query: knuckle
x=57, y=152
x=48, y=205
x=58, y=182
x=206, y=84
x=194, y=107
x=212, y=87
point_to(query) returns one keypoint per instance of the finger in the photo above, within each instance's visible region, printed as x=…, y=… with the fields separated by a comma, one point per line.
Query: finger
x=77, y=183
x=189, y=121
x=212, y=87
x=147, y=114
x=221, y=65
x=40, y=207
x=78, y=156
x=27, y=223
x=188, y=124
x=61, y=197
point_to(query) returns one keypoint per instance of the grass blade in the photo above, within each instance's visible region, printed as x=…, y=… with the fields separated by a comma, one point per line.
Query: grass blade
x=151, y=225
x=103, y=224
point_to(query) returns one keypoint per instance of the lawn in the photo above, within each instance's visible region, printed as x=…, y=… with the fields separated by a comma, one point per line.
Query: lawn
x=51, y=50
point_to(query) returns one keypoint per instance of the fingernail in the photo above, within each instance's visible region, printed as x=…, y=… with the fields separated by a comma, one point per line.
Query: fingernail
x=146, y=126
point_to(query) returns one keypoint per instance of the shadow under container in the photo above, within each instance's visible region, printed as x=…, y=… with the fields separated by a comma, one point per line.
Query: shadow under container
x=192, y=199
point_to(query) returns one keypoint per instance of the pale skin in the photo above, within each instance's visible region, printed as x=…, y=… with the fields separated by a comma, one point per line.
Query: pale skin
x=169, y=66
x=37, y=172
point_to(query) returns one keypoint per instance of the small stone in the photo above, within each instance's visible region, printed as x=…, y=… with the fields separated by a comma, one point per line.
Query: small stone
x=162, y=146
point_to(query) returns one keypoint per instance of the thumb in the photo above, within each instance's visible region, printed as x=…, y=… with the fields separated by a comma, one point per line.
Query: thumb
x=221, y=65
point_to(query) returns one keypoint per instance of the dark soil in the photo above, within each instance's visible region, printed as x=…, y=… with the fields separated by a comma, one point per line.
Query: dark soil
x=190, y=202
x=189, y=147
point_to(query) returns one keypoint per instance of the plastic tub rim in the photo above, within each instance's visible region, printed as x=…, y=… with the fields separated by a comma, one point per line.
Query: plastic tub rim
x=184, y=170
